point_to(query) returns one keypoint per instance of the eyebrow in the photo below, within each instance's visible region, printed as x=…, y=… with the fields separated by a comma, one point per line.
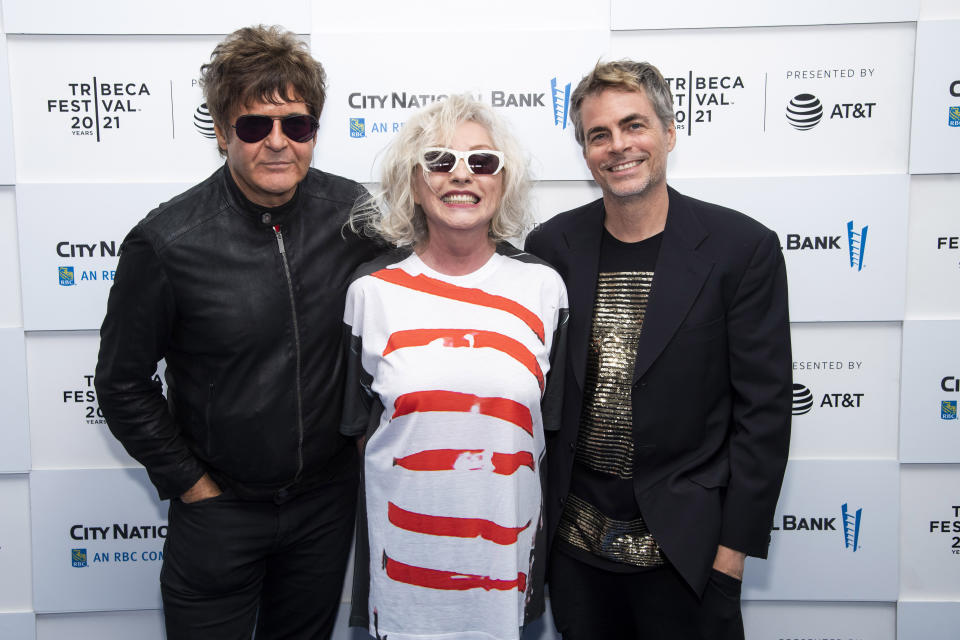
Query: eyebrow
x=623, y=121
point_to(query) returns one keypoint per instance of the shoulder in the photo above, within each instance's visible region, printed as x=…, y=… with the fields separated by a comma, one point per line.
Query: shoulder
x=382, y=261
x=320, y=185
x=183, y=213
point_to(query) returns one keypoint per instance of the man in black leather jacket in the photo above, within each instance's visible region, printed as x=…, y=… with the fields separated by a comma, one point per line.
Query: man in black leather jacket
x=238, y=284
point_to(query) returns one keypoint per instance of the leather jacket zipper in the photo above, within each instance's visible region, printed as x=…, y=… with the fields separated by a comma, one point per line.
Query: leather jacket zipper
x=296, y=342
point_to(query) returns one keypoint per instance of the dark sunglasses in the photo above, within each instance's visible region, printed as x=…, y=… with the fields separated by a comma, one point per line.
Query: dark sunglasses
x=485, y=162
x=254, y=128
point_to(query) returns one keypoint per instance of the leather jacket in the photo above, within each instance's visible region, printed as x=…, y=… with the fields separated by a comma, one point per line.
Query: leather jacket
x=245, y=304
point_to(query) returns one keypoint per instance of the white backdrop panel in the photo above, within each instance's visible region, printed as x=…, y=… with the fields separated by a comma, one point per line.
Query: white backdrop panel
x=68, y=431
x=843, y=238
x=10, y=313
x=70, y=236
x=819, y=620
x=930, y=532
x=939, y=9
x=110, y=108
x=933, y=265
x=7, y=165
x=81, y=560
x=15, y=592
x=551, y=198
x=14, y=426
x=171, y=16
x=846, y=379
x=928, y=620
x=930, y=392
x=420, y=15
x=732, y=88
x=630, y=14
x=101, y=625
x=935, y=131
x=371, y=95
x=835, y=536
x=18, y=626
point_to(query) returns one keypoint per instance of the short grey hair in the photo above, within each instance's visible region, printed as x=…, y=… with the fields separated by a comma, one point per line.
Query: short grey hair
x=623, y=75
x=390, y=212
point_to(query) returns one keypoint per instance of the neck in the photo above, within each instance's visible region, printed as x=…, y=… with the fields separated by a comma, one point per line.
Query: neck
x=456, y=255
x=636, y=218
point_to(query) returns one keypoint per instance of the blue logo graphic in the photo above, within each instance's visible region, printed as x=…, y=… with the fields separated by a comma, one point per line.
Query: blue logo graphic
x=953, y=116
x=561, y=102
x=66, y=277
x=78, y=557
x=851, y=528
x=948, y=410
x=358, y=129
x=857, y=242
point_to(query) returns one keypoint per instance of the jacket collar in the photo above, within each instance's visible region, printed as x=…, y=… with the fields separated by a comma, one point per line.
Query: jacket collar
x=678, y=277
x=263, y=216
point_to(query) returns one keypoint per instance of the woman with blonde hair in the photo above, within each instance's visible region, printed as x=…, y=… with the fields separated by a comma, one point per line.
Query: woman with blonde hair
x=453, y=341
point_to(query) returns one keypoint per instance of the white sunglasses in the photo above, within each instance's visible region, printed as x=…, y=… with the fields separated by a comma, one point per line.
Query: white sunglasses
x=485, y=162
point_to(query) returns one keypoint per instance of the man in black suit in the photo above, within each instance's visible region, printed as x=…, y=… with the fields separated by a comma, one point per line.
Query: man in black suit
x=667, y=468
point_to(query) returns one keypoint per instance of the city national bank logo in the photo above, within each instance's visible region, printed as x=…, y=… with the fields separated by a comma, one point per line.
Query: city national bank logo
x=851, y=527
x=804, y=112
x=856, y=244
x=93, y=107
x=948, y=408
x=203, y=122
x=78, y=557
x=561, y=103
x=953, y=116
x=802, y=399
x=66, y=276
x=357, y=128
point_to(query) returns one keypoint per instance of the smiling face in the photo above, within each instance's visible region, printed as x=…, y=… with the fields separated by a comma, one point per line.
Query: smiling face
x=625, y=144
x=268, y=171
x=459, y=202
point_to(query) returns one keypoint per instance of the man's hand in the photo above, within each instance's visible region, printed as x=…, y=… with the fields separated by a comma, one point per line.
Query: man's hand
x=203, y=489
x=729, y=562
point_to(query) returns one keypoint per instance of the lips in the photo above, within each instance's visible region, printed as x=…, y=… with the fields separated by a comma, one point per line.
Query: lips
x=460, y=198
x=623, y=166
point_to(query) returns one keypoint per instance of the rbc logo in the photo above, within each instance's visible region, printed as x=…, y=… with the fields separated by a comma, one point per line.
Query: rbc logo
x=851, y=528
x=948, y=410
x=953, y=117
x=66, y=277
x=560, y=96
x=358, y=128
x=78, y=557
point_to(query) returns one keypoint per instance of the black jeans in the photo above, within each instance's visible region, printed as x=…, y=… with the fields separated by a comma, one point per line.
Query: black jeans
x=657, y=604
x=230, y=565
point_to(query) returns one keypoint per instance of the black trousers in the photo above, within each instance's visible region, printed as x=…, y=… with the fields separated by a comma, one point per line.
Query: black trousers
x=592, y=604
x=231, y=565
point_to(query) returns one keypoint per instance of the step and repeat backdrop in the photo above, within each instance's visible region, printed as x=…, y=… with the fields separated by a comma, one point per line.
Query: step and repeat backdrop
x=102, y=118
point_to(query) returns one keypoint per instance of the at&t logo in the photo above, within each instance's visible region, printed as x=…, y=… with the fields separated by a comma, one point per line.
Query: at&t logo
x=804, y=112
x=802, y=399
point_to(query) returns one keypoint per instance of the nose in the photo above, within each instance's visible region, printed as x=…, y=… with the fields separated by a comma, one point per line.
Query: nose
x=619, y=142
x=460, y=173
x=276, y=140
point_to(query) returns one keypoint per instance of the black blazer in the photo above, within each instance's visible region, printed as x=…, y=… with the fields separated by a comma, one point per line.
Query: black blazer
x=712, y=387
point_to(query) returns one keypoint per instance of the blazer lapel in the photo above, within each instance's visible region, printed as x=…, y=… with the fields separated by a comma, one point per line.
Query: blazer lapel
x=679, y=275
x=583, y=241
